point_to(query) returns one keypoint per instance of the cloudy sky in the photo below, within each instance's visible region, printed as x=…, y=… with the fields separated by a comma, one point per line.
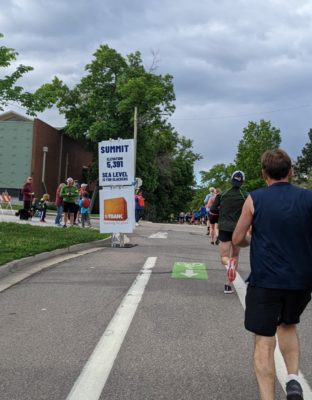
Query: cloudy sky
x=232, y=61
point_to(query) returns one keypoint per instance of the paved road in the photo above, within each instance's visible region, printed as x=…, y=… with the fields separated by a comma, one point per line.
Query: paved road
x=101, y=326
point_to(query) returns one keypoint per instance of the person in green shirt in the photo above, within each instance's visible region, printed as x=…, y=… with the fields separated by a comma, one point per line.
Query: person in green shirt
x=69, y=194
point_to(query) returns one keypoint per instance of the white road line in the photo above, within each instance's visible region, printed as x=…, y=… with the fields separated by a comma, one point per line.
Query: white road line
x=93, y=377
x=280, y=366
x=159, y=235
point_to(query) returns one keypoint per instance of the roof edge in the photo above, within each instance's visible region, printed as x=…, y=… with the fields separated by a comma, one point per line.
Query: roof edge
x=14, y=116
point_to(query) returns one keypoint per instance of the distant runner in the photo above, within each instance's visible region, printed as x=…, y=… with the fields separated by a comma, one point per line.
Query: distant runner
x=229, y=205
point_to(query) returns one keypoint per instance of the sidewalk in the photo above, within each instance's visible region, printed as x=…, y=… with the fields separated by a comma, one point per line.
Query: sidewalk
x=8, y=216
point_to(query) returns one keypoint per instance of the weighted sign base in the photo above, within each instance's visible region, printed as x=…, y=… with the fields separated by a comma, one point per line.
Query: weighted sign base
x=118, y=240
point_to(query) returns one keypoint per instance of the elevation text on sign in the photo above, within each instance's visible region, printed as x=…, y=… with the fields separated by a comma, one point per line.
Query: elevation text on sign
x=116, y=162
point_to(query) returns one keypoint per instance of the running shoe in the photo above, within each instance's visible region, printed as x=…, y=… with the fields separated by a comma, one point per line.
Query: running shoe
x=228, y=289
x=231, y=270
x=294, y=390
x=217, y=241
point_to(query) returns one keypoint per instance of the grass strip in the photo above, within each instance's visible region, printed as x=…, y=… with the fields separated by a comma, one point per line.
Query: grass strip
x=19, y=240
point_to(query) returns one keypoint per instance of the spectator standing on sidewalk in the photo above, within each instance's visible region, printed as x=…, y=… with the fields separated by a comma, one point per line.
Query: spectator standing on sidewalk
x=43, y=206
x=59, y=204
x=69, y=193
x=84, y=205
x=82, y=191
x=182, y=217
x=280, y=282
x=139, y=207
x=77, y=200
x=229, y=205
x=28, y=193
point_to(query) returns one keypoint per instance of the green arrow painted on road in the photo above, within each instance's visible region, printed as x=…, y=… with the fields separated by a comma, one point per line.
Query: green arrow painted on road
x=183, y=270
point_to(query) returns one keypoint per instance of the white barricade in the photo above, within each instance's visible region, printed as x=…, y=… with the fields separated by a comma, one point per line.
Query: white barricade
x=5, y=202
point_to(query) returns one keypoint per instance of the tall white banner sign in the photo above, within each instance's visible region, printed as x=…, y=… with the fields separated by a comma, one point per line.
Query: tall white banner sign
x=116, y=162
x=117, y=209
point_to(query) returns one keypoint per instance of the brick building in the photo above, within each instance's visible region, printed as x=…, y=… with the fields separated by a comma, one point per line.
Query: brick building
x=30, y=147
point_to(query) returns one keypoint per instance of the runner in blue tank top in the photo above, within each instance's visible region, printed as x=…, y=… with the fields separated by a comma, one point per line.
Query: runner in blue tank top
x=280, y=282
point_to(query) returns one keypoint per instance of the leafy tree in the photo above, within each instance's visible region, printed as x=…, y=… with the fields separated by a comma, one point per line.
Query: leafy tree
x=309, y=181
x=257, y=138
x=101, y=107
x=303, y=165
x=218, y=176
x=9, y=90
x=183, y=175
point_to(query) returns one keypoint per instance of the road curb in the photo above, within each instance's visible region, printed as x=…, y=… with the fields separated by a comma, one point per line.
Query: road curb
x=18, y=265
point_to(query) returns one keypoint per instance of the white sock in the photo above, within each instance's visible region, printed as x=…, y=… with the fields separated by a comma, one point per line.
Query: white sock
x=292, y=377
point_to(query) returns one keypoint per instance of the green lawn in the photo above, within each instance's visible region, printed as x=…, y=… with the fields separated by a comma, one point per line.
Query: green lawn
x=18, y=241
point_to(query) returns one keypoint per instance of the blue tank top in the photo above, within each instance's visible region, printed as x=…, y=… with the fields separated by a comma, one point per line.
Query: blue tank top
x=281, y=245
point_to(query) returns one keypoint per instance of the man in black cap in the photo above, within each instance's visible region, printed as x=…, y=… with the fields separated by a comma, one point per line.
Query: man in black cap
x=229, y=204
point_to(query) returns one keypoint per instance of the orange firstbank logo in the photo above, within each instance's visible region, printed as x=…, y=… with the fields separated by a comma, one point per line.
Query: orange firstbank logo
x=115, y=209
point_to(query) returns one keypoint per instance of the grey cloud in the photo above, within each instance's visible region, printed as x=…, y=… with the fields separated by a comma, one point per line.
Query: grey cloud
x=231, y=63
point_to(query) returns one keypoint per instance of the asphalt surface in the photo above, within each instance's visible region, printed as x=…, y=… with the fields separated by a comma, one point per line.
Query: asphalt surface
x=185, y=341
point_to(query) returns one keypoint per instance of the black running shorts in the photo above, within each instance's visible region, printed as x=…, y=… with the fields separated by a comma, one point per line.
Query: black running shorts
x=213, y=219
x=225, y=236
x=69, y=207
x=268, y=308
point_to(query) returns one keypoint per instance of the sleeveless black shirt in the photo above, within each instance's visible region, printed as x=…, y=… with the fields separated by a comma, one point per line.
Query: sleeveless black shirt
x=281, y=245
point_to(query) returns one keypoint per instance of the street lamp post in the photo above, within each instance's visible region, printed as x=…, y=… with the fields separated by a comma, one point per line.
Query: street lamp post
x=45, y=150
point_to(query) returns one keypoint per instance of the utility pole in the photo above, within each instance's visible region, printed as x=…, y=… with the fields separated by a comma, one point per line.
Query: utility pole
x=135, y=135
